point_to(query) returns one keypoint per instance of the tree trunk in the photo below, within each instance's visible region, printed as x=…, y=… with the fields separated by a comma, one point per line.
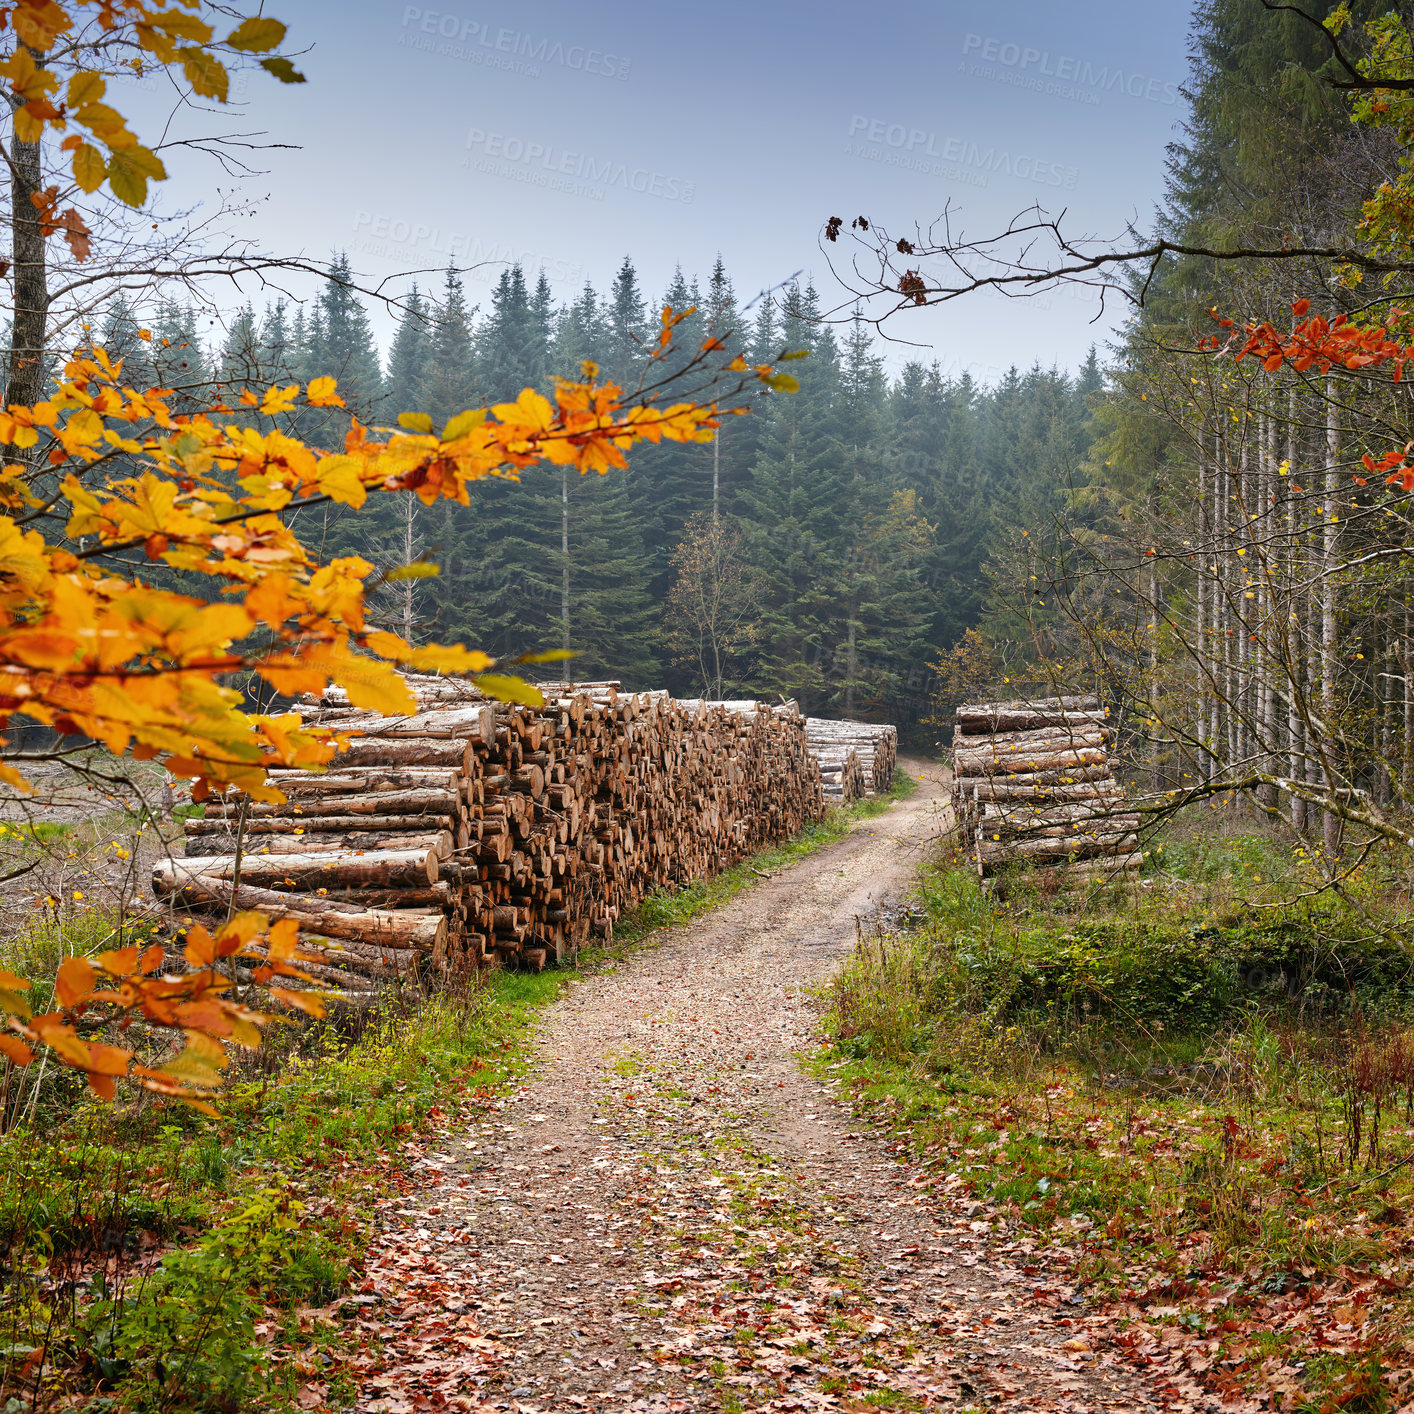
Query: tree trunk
x=565, y=558
x=24, y=382
x=1329, y=644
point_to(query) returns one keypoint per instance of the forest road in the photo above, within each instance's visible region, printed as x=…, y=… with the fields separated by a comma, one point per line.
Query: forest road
x=673, y=1215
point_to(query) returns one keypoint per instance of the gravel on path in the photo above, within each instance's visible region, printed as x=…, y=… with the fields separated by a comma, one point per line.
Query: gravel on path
x=672, y=1215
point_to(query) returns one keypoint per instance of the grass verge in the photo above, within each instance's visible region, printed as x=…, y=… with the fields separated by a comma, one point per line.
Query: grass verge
x=1202, y=1108
x=152, y=1259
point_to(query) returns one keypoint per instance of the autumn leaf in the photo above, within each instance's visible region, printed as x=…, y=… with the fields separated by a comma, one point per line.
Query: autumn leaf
x=75, y=980
x=510, y=689
x=277, y=400
x=76, y=234
x=322, y=393
x=418, y=569
x=256, y=35
x=199, y=1064
x=340, y=478
x=90, y=167
x=12, y=998
x=15, y=1050
x=282, y=69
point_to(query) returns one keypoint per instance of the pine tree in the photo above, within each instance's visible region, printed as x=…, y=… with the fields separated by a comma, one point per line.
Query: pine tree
x=448, y=382
x=733, y=448
x=340, y=345
x=627, y=328
x=791, y=505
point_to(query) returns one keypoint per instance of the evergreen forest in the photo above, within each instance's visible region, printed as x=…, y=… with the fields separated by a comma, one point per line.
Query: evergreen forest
x=847, y=531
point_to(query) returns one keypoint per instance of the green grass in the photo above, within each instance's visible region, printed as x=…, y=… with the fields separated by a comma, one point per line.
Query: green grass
x=235, y=1192
x=1196, y=1089
x=266, y=1208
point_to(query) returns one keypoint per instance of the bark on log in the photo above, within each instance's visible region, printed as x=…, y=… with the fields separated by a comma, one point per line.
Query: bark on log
x=404, y=930
x=351, y=869
x=401, y=802
x=281, y=825
x=442, y=842
x=1016, y=763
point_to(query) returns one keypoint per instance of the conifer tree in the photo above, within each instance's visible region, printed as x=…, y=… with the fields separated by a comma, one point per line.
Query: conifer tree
x=790, y=505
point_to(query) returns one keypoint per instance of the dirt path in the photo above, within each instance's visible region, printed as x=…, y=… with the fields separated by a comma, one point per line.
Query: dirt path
x=674, y=1216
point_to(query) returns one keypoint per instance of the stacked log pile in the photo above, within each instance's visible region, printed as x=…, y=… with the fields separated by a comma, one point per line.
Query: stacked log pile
x=476, y=832
x=873, y=744
x=1032, y=783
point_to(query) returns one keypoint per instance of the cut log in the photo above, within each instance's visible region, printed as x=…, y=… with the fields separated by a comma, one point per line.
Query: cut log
x=1086, y=846
x=402, y=802
x=403, y=929
x=442, y=842
x=284, y=824
x=349, y=869
x=360, y=780
x=1016, y=763
x=475, y=724
x=390, y=751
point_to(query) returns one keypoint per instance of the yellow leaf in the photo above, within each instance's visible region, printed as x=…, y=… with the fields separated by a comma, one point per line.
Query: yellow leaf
x=462, y=423
x=309, y=1002
x=550, y=655
x=431, y=657
x=89, y=167
x=85, y=87
x=200, y=1064
x=510, y=689
x=418, y=569
x=531, y=409
x=28, y=128
x=322, y=393
x=340, y=478
x=128, y=171
x=257, y=35
x=415, y=421
x=279, y=399
x=12, y=998
x=377, y=686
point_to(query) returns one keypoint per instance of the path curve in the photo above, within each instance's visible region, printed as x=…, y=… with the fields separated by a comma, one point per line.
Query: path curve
x=673, y=1216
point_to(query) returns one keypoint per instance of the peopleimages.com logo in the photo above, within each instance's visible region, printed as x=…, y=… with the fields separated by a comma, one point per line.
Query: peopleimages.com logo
x=543, y=164
x=434, y=31
x=917, y=149
x=1062, y=75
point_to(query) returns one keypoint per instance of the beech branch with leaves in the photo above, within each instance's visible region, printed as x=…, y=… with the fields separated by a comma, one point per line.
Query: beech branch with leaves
x=105, y=481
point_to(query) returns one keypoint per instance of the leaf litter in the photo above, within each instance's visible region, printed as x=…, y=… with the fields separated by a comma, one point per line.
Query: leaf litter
x=669, y=1215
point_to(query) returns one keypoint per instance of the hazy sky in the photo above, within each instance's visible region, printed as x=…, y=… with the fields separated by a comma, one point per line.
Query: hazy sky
x=571, y=135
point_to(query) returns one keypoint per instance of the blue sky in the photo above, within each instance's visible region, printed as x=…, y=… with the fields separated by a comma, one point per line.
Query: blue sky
x=570, y=135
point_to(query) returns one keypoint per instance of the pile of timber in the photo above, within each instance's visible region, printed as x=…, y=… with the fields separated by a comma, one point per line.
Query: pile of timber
x=873, y=745
x=478, y=832
x=1032, y=783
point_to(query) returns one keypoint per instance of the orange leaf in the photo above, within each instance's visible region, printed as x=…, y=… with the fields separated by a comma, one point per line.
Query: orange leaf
x=13, y=1049
x=200, y=950
x=120, y=962
x=74, y=982
x=309, y=1002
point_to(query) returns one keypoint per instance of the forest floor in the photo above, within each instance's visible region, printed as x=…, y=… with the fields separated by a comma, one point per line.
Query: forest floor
x=670, y=1213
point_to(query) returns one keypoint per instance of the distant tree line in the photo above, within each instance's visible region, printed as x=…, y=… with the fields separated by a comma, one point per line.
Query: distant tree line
x=832, y=547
